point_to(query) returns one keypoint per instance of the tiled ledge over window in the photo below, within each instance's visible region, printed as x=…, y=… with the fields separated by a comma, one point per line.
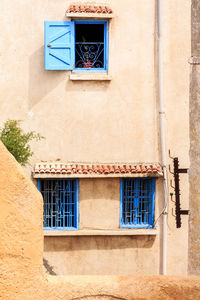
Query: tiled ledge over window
x=89, y=11
x=95, y=170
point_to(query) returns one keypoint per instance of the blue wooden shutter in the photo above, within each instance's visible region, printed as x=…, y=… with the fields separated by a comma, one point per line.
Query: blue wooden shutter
x=59, y=45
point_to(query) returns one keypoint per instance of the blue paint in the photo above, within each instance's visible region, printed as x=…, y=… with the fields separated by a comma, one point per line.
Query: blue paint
x=152, y=208
x=77, y=206
x=106, y=40
x=121, y=195
x=38, y=184
x=59, y=45
x=137, y=202
x=105, y=46
x=61, y=198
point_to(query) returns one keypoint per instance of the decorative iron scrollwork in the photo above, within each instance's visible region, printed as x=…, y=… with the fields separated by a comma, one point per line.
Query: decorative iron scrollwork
x=89, y=55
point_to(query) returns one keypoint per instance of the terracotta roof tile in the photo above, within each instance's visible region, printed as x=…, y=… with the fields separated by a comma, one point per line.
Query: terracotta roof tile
x=137, y=169
x=84, y=169
x=105, y=169
x=122, y=170
x=116, y=169
x=85, y=8
x=111, y=169
x=127, y=168
x=96, y=170
x=143, y=169
x=148, y=169
x=100, y=169
x=154, y=168
x=132, y=169
x=90, y=170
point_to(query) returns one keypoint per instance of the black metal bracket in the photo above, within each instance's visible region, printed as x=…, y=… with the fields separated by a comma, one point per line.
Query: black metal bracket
x=176, y=187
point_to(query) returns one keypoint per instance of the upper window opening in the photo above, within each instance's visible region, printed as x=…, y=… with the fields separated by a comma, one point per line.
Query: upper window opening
x=90, y=46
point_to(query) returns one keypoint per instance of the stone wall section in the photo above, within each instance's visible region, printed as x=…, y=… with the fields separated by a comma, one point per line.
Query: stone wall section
x=194, y=173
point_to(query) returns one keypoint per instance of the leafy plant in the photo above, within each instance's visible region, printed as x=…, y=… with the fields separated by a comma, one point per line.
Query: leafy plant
x=17, y=142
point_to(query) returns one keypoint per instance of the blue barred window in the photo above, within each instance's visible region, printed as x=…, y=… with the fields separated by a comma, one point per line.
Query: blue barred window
x=91, y=42
x=60, y=203
x=137, y=202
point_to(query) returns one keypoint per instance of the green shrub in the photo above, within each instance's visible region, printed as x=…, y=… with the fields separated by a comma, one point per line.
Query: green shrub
x=17, y=142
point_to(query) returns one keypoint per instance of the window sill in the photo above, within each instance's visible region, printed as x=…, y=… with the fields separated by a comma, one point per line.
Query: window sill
x=91, y=76
x=119, y=232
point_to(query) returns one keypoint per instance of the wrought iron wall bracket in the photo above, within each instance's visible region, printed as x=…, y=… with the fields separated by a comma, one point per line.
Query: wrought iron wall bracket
x=184, y=212
x=178, y=210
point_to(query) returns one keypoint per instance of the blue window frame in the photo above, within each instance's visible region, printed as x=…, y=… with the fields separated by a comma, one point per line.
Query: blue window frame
x=80, y=45
x=137, y=200
x=60, y=198
x=91, y=45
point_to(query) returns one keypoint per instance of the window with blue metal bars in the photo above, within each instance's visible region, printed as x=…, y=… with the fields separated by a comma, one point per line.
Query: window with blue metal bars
x=60, y=203
x=90, y=40
x=137, y=202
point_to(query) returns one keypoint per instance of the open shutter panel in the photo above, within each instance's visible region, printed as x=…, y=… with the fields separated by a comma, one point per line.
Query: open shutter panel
x=59, y=45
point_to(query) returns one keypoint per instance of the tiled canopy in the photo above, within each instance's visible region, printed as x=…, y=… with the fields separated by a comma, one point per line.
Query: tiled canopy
x=85, y=8
x=95, y=170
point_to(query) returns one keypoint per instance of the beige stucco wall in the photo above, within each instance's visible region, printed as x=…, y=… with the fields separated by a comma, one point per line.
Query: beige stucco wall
x=102, y=255
x=176, y=50
x=107, y=255
x=82, y=121
x=104, y=121
x=100, y=197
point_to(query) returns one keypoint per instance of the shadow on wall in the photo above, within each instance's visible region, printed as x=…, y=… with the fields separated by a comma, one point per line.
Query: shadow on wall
x=41, y=82
x=97, y=242
x=48, y=267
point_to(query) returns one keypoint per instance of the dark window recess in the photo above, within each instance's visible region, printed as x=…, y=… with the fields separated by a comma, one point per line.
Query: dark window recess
x=60, y=201
x=89, y=46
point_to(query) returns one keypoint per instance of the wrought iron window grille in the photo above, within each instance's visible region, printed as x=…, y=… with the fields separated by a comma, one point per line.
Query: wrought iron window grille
x=89, y=55
x=137, y=202
x=91, y=40
x=60, y=198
